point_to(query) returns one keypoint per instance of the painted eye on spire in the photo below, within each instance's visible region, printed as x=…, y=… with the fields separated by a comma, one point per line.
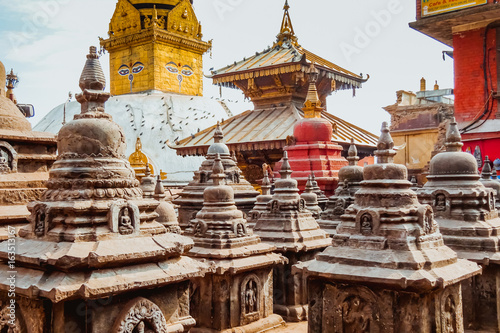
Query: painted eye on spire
x=137, y=68
x=187, y=71
x=124, y=70
x=172, y=68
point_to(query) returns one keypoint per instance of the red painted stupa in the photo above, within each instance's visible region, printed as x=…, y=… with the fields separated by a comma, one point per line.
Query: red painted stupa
x=313, y=150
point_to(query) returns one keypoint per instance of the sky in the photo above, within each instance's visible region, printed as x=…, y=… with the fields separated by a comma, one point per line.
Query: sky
x=46, y=41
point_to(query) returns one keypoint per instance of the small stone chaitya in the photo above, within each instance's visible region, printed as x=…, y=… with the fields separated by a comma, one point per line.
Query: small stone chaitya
x=292, y=229
x=489, y=182
x=191, y=198
x=238, y=295
x=93, y=242
x=262, y=200
x=469, y=222
x=350, y=178
x=388, y=269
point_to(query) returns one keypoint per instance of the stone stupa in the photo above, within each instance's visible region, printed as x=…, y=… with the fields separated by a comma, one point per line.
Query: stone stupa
x=290, y=227
x=262, y=200
x=93, y=242
x=239, y=292
x=388, y=269
x=350, y=178
x=190, y=200
x=489, y=182
x=467, y=217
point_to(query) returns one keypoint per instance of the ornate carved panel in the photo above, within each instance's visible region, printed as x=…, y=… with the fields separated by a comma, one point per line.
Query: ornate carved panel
x=140, y=315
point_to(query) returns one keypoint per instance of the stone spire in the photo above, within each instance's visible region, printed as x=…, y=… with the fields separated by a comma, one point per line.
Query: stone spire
x=239, y=260
x=466, y=214
x=93, y=225
x=262, y=200
x=489, y=182
x=289, y=226
x=388, y=260
x=350, y=178
x=322, y=198
x=311, y=199
x=191, y=198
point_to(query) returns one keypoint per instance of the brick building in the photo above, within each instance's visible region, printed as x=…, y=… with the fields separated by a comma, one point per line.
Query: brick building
x=472, y=28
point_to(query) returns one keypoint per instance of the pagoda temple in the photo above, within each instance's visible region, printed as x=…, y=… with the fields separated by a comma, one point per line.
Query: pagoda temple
x=25, y=159
x=93, y=242
x=276, y=80
x=156, y=80
x=388, y=269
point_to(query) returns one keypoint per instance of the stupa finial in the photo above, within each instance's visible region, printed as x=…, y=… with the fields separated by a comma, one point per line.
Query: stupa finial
x=453, y=137
x=218, y=174
x=385, y=147
x=486, y=172
x=159, y=189
x=286, y=169
x=266, y=184
x=353, y=154
x=309, y=185
x=218, y=135
x=312, y=107
x=92, y=82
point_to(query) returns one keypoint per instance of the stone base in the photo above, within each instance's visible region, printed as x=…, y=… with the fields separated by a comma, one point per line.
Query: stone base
x=262, y=325
x=292, y=313
x=329, y=226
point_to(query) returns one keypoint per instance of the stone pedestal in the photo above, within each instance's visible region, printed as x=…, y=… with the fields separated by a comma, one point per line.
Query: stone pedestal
x=238, y=294
x=290, y=227
x=467, y=217
x=350, y=178
x=191, y=198
x=388, y=269
x=93, y=258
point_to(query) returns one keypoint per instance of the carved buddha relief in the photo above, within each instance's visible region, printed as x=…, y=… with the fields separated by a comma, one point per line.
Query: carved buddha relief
x=250, y=299
x=440, y=202
x=366, y=225
x=125, y=226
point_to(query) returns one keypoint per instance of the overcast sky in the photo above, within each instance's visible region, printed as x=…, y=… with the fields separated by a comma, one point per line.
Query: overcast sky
x=46, y=41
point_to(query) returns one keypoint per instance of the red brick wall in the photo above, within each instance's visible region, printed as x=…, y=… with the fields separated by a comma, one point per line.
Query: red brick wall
x=468, y=53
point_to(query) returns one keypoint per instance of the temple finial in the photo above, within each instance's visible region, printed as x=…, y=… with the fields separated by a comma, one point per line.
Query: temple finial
x=218, y=174
x=159, y=189
x=312, y=107
x=453, y=137
x=148, y=171
x=353, y=154
x=385, y=147
x=309, y=185
x=218, y=135
x=266, y=184
x=92, y=75
x=286, y=169
x=486, y=172
x=287, y=34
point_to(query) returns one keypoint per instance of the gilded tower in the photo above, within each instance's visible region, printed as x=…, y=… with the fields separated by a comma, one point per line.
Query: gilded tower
x=155, y=45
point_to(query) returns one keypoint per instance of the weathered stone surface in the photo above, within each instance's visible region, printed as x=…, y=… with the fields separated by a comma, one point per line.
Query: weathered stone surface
x=239, y=291
x=350, y=178
x=467, y=217
x=388, y=269
x=191, y=198
x=289, y=226
x=93, y=240
x=262, y=200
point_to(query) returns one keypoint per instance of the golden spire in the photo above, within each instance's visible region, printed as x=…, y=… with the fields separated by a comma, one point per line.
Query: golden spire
x=312, y=107
x=287, y=34
x=140, y=162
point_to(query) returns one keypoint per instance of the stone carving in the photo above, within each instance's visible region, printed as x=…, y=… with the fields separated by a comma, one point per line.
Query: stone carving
x=450, y=316
x=200, y=228
x=8, y=158
x=124, y=217
x=125, y=222
x=356, y=315
x=40, y=220
x=250, y=299
x=240, y=230
x=140, y=315
x=440, y=202
x=4, y=166
x=340, y=206
x=7, y=325
x=366, y=225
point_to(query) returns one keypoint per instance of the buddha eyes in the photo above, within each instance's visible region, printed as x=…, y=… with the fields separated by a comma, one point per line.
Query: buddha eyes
x=124, y=70
x=187, y=72
x=172, y=69
x=138, y=67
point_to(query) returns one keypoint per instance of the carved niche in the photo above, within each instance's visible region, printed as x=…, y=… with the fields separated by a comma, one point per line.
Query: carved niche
x=8, y=158
x=250, y=299
x=366, y=225
x=240, y=229
x=451, y=311
x=340, y=206
x=41, y=219
x=441, y=201
x=124, y=218
x=139, y=316
x=426, y=220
